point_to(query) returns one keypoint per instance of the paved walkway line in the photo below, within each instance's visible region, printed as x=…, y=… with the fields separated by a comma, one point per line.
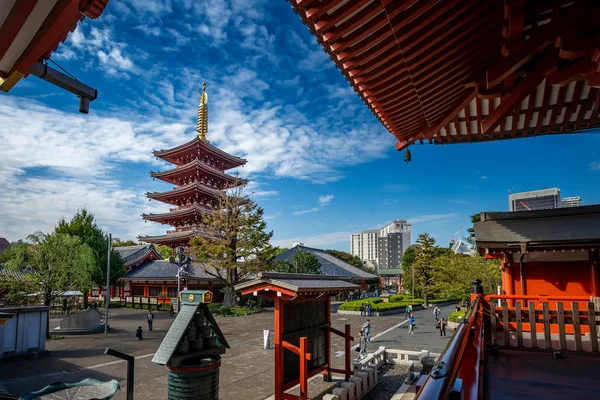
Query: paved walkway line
x=389, y=330
x=27, y=378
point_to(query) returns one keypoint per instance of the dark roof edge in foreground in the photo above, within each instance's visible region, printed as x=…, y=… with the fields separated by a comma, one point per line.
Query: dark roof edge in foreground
x=282, y=275
x=555, y=212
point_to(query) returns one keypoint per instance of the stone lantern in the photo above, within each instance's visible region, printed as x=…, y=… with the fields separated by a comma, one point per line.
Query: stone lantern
x=191, y=350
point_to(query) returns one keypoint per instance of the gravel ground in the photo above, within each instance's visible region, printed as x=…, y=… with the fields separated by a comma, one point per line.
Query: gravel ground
x=390, y=379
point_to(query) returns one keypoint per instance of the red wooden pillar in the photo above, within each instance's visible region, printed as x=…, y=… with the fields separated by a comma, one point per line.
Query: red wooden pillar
x=112, y=291
x=278, y=349
x=327, y=373
x=348, y=354
x=303, y=369
x=122, y=292
x=145, y=290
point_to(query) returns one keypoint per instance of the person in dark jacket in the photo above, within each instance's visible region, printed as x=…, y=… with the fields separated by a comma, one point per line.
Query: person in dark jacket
x=138, y=333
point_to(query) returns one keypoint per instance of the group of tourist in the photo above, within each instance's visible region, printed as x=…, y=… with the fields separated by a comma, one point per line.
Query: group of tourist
x=440, y=322
x=365, y=309
x=364, y=335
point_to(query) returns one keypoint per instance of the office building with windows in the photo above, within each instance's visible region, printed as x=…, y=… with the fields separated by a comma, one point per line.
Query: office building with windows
x=384, y=247
x=544, y=199
x=574, y=201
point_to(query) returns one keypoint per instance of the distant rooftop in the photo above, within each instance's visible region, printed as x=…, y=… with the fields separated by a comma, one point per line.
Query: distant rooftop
x=4, y=244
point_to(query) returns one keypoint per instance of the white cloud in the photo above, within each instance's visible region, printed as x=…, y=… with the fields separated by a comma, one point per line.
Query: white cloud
x=326, y=199
x=595, y=166
x=272, y=216
x=314, y=209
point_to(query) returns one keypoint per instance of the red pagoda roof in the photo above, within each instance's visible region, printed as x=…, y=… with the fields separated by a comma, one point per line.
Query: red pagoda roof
x=174, y=238
x=176, y=217
x=185, y=153
x=466, y=71
x=181, y=174
x=193, y=190
x=32, y=29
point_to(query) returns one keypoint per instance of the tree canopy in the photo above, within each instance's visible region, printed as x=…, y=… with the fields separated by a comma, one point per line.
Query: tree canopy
x=164, y=251
x=238, y=244
x=303, y=262
x=424, y=254
x=117, y=242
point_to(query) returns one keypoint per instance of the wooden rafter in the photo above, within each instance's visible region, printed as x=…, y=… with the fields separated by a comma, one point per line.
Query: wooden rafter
x=430, y=132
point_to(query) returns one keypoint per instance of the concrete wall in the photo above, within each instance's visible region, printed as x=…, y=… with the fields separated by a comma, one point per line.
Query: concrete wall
x=25, y=332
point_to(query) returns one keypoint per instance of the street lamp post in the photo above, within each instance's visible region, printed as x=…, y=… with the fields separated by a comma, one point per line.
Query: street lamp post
x=413, y=281
x=182, y=261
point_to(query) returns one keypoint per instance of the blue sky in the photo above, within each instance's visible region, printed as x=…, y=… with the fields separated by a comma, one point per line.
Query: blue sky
x=319, y=163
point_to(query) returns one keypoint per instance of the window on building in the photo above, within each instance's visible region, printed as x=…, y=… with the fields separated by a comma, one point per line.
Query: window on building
x=172, y=291
x=137, y=291
x=154, y=291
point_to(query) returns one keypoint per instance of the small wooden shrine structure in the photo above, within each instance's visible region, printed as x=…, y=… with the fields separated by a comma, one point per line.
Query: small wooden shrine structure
x=302, y=326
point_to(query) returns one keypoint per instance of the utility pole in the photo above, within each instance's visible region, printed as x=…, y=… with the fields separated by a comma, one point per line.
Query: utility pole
x=107, y=296
x=413, y=281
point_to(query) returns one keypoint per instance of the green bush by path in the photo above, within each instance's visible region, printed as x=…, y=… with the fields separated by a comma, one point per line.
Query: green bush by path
x=438, y=301
x=379, y=305
x=397, y=297
x=457, y=316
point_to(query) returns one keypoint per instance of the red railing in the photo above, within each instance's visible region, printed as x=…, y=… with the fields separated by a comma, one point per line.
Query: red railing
x=462, y=359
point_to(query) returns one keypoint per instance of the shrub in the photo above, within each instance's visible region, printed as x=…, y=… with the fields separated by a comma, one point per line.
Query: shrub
x=438, y=301
x=224, y=310
x=213, y=307
x=457, y=316
x=355, y=305
x=397, y=297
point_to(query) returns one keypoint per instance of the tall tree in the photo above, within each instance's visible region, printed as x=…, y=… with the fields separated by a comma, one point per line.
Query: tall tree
x=452, y=275
x=303, y=262
x=83, y=226
x=425, y=253
x=239, y=243
x=117, y=242
x=474, y=219
x=58, y=262
x=164, y=251
x=408, y=258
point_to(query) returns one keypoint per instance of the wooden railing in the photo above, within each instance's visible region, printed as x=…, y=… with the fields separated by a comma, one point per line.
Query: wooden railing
x=544, y=322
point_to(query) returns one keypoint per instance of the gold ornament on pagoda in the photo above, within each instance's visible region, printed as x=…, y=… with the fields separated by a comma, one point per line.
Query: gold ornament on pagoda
x=202, y=126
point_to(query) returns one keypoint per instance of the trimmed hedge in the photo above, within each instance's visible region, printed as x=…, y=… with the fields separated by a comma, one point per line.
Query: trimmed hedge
x=438, y=301
x=396, y=297
x=379, y=305
x=457, y=316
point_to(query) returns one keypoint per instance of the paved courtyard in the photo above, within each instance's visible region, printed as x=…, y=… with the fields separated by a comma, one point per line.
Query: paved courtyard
x=246, y=372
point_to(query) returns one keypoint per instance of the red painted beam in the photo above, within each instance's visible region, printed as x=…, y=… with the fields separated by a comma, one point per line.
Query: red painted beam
x=13, y=23
x=572, y=106
x=576, y=72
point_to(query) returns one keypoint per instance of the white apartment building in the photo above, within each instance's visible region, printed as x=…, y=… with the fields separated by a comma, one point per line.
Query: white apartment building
x=574, y=201
x=384, y=247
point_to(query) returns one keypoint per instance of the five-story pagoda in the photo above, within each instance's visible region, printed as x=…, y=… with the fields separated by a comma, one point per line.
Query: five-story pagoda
x=199, y=178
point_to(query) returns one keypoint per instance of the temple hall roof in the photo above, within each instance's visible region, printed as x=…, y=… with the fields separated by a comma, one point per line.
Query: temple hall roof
x=165, y=269
x=330, y=265
x=573, y=225
x=133, y=255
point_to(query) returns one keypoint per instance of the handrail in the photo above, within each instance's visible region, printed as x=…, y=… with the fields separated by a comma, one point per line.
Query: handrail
x=535, y=297
x=441, y=379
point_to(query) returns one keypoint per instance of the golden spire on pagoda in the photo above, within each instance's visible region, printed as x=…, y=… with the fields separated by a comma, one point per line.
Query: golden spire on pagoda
x=202, y=126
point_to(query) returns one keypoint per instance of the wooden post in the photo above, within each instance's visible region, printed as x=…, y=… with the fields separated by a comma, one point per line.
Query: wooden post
x=592, y=324
x=505, y=324
x=303, y=369
x=327, y=373
x=493, y=323
x=576, y=326
x=278, y=349
x=547, y=336
x=519, y=324
x=532, y=325
x=561, y=325
x=348, y=354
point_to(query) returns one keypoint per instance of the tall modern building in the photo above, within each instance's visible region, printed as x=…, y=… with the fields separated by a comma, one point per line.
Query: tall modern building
x=534, y=200
x=384, y=247
x=574, y=201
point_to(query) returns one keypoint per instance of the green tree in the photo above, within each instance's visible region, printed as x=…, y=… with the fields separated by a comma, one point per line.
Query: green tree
x=59, y=262
x=281, y=250
x=425, y=252
x=350, y=259
x=303, y=262
x=474, y=219
x=117, y=242
x=239, y=243
x=164, y=251
x=453, y=274
x=408, y=258
x=83, y=226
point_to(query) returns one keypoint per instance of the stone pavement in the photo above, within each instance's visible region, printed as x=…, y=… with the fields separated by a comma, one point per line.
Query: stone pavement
x=246, y=372
x=426, y=337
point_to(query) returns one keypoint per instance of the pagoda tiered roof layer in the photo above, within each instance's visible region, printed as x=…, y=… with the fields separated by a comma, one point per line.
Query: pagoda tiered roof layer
x=466, y=71
x=210, y=155
x=175, y=238
x=180, y=216
x=194, y=192
x=197, y=171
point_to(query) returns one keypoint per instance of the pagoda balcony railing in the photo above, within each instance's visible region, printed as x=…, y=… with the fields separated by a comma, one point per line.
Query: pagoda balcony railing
x=186, y=229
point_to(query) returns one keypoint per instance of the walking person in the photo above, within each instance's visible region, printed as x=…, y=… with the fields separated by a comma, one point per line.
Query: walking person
x=369, y=306
x=150, y=318
x=408, y=311
x=362, y=309
x=436, y=313
x=411, y=325
x=171, y=310
x=362, y=345
x=442, y=324
x=367, y=328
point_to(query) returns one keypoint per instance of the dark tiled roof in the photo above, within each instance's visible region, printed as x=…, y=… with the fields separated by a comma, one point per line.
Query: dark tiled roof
x=4, y=244
x=164, y=269
x=132, y=254
x=330, y=265
x=301, y=282
x=14, y=274
x=576, y=224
